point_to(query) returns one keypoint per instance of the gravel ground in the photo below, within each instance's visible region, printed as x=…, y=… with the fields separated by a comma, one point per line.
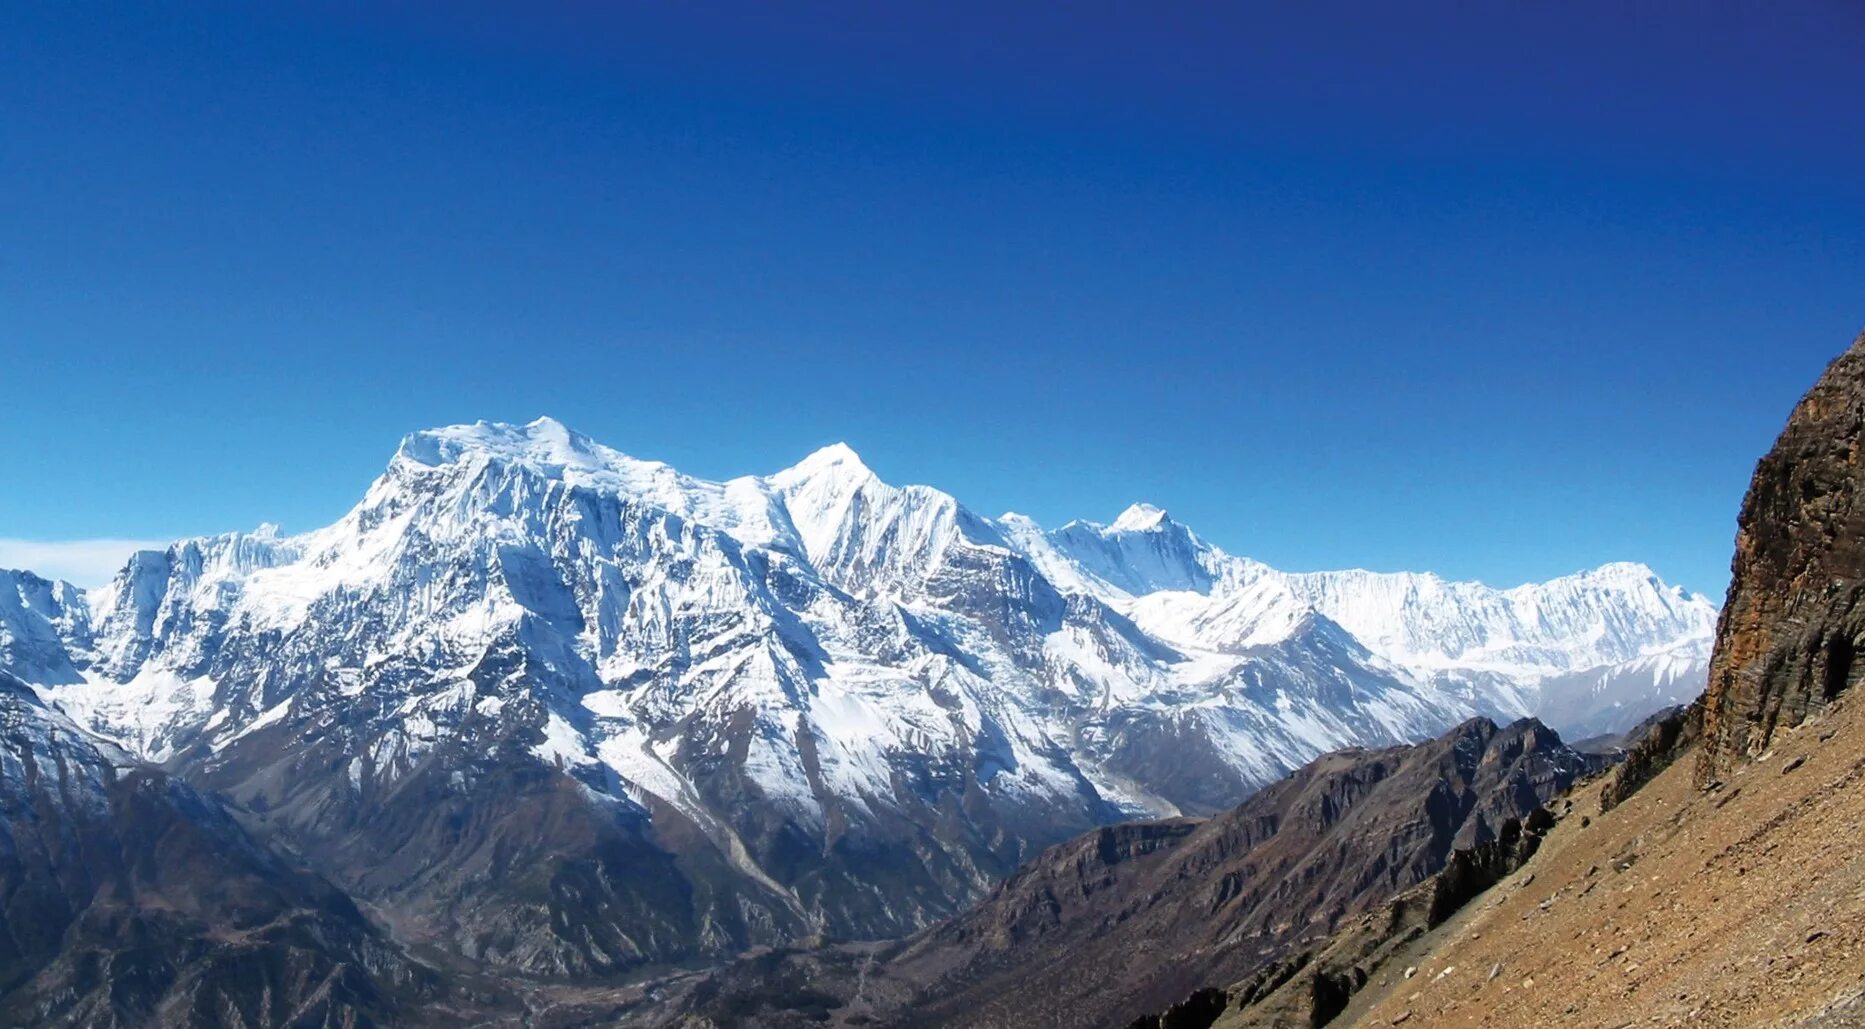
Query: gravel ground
x=1744, y=906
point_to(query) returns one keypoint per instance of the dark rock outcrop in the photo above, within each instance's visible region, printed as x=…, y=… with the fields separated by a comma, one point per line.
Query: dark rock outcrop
x=1658, y=746
x=1791, y=631
x=1314, y=987
x=1194, y=1012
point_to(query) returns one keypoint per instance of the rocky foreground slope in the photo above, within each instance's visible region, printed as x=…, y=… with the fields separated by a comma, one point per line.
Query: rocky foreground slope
x=1738, y=907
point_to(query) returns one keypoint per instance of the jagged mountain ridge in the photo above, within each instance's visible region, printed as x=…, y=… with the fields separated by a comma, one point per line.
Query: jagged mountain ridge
x=810, y=701
x=1502, y=650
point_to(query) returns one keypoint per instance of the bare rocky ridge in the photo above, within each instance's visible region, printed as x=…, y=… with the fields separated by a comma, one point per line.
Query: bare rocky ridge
x=1661, y=743
x=1337, y=837
x=1160, y=910
x=1314, y=986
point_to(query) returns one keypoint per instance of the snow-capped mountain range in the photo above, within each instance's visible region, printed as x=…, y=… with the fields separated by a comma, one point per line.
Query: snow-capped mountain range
x=772, y=707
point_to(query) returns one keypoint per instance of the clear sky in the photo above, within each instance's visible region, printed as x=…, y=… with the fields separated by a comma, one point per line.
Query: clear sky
x=1495, y=290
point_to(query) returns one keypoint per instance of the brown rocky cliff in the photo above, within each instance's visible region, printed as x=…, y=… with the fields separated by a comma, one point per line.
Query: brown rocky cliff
x=1794, y=621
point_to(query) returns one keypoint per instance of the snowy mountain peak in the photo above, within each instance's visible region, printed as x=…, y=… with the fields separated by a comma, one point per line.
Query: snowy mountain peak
x=1141, y=517
x=1625, y=569
x=837, y=461
x=1623, y=575
x=1143, y=552
x=544, y=443
x=450, y=459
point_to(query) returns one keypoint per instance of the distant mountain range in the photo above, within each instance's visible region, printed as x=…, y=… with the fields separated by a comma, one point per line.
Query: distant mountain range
x=558, y=710
x=1702, y=869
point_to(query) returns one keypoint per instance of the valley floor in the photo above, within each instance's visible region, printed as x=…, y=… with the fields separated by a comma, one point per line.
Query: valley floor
x=1744, y=906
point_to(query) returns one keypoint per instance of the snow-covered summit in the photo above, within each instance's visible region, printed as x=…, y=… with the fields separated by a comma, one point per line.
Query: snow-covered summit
x=1140, y=517
x=837, y=460
x=548, y=449
x=492, y=488
x=546, y=442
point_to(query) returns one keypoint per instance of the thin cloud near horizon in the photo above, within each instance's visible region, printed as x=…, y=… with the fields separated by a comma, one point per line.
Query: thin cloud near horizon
x=83, y=562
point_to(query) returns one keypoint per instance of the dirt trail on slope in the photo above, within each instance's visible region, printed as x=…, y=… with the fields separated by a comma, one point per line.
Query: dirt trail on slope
x=1744, y=906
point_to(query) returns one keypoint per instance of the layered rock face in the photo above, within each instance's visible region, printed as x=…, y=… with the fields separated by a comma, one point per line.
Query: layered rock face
x=1790, y=633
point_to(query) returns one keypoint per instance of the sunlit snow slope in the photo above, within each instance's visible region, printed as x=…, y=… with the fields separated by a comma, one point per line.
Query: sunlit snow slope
x=834, y=703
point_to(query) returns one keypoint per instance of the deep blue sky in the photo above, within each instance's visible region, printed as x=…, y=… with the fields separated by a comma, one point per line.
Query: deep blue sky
x=1497, y=290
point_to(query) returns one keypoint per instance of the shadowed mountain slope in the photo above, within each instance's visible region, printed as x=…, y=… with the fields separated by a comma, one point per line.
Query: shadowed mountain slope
x=132, y=900
x=1160, y=909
